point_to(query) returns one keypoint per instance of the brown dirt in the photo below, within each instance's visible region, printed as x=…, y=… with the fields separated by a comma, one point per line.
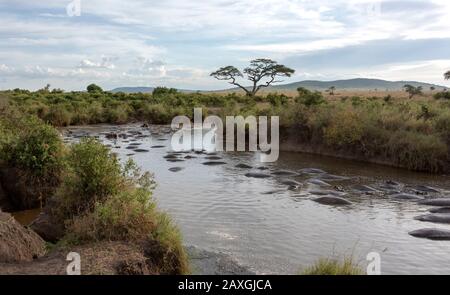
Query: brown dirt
x=49, y=229
x=102, y=258
x=17, y=243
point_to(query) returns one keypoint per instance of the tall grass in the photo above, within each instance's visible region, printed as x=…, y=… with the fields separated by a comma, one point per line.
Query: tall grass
x=332, y=267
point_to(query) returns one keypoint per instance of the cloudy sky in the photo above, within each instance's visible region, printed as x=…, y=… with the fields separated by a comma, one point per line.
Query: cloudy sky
x=177, y=43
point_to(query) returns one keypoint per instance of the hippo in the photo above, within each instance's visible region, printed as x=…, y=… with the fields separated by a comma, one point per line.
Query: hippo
x=332, y=177
x=257, y=175
x=262, y=168
x=326, y=193
x=175, y=160
x=436, y=202
x=111, y=135
x=170, y=156
x=410, y=197
x=243, y=166
x=432, y=234
x=425, y=189
x=213, y=158
x=158, y=146
x=318, y=182
x=175, y=169
x=437, y=218
x=273, y=192
x=389, y=188
x=283, y=173
x=440, y=210
x=364, y=188
x=311, y=171
x=330, y=200
x=291, y=182
x=213, y=163
x=190, y=157
x=141, y=151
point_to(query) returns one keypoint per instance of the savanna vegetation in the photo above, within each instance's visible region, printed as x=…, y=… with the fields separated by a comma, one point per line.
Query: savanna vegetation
x=413, y=132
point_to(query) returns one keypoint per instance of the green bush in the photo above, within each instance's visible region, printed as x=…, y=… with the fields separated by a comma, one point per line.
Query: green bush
x=442, y=95
x=309, y=98
x=102, y=200
x=345, y=129
x=417, y=151
x=93, y=174
x=33, y=146
x=276, y=99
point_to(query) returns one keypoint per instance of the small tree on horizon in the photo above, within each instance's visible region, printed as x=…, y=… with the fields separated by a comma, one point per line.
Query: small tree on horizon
x=447, y=75
x=331, y=90
x=412, y=90
x=261, y=72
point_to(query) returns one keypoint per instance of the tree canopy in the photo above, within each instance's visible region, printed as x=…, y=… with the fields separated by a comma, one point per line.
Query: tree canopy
x=412, y=90
x=447, y=75
x=94, y=88
x=261, y=72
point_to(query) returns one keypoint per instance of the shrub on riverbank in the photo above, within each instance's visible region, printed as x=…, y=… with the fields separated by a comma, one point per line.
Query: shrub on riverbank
x=95, y=199
x=413, y=134
x=31, y=160
x=101, y=200
x=331, y=267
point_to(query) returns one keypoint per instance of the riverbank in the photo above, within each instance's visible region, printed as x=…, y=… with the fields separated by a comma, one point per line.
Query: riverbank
x=88, y=197
x=291, y=145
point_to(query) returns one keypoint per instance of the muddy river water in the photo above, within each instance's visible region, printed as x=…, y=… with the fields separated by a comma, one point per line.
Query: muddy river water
x=271, y=222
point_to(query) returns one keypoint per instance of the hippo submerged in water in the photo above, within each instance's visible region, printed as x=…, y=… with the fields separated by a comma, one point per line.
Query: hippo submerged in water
x=257, y=175
x=329, y=200
x=432, y=234
x=436, y=202
x=437, y=218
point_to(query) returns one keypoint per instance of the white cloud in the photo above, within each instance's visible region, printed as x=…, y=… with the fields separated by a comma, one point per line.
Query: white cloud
x=126, y=41
x=104, y=63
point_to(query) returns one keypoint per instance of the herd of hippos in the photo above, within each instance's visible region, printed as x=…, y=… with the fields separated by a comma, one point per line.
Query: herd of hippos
x=317, y=180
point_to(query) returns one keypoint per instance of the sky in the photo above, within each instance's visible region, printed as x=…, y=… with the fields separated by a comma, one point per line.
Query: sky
x=178, y=43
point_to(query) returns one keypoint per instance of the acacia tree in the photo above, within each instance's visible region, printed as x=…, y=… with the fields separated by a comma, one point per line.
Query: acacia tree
x=447, y=75
x=261, y=72
x=412, y=91
x=331, y=90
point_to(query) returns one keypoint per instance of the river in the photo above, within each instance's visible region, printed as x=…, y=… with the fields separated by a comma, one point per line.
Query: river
x=275, y=227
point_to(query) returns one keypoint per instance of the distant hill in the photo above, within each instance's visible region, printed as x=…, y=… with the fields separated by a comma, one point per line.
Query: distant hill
x=143, y=90
x=133, y=89
x=355, y=84
x=361, y=84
